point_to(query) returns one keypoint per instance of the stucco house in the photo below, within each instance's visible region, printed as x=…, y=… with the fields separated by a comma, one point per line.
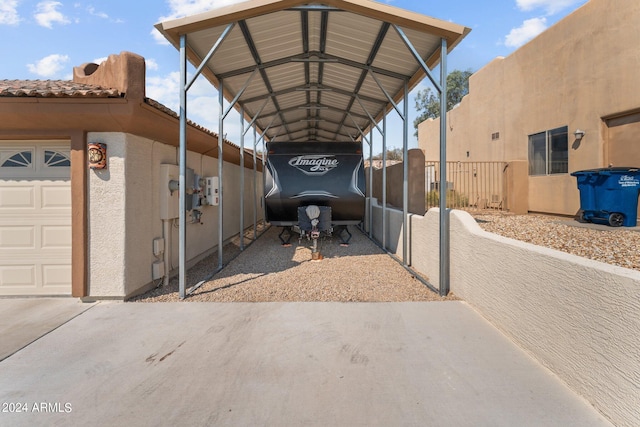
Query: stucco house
x=568, y=100
x=68, y=227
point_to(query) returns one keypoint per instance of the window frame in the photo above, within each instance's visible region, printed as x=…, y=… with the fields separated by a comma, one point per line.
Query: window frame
x=9, y=162
x=555, y=161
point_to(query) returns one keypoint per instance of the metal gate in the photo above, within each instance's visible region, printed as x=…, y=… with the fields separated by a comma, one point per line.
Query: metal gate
x=470, y=185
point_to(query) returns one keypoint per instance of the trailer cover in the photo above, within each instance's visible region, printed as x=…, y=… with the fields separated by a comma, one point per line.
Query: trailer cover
x=314, y=173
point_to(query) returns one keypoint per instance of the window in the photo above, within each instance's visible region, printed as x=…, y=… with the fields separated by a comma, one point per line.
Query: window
x=54, y=159
x=549, y=152
x=18, y=160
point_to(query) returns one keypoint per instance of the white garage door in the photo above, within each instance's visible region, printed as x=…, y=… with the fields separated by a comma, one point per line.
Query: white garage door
x=35, y=218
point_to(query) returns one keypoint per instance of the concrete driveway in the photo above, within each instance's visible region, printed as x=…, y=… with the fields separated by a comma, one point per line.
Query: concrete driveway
x=281, y=364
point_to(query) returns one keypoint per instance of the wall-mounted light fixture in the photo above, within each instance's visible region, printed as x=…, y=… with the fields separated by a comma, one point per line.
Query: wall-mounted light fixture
x=579, y=134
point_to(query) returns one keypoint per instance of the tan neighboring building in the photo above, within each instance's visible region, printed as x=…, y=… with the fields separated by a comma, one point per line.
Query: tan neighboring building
x=67, y=228
x=582, y=74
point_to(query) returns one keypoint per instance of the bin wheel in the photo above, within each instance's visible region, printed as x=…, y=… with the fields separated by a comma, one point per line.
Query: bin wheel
x=616, y=219
x=580, y=217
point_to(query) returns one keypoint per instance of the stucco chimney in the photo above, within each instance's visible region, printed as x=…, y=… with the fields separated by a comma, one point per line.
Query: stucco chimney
x=125, y=72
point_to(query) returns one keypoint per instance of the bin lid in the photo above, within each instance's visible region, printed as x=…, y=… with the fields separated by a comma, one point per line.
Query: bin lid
x=607, y=171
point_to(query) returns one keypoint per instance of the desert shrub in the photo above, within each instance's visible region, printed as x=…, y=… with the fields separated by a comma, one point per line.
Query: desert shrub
x=454, y=199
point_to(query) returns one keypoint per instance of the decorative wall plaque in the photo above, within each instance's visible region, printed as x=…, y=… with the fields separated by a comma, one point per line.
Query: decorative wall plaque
x=97, y=155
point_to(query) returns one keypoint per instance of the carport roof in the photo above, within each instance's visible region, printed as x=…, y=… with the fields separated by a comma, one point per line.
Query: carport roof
x=312, y=71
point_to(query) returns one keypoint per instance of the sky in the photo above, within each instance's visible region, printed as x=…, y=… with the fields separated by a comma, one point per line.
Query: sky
x=44, y=40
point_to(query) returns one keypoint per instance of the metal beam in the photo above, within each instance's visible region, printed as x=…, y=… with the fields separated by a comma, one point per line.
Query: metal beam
x=384, y=28
x=384, y=182
x=405, y=177
x=257, y=116
x=182, y=200
x=269, y=95
x=220, y=176
x=444, y=213
x=371, y=182
x=373, y=121
x=418, y=58
x=256, y=57
x=213, y=50
x=242, y=133
x=255, y=185
x=239, y=94
x=389, y=98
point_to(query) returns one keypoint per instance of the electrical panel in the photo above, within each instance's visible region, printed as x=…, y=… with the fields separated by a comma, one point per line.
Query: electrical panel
x=158, y=246
x=212, y=191
x=195, y=197
x=157, y=270
x=169, y=198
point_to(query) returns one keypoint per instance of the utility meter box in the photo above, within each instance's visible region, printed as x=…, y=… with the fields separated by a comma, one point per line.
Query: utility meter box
x=212, y=190
x=169, y=200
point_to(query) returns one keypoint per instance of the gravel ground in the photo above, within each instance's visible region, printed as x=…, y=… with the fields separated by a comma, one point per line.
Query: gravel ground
x=268, y=271
x=617, y=246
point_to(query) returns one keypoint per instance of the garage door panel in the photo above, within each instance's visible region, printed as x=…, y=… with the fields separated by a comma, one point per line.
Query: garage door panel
x=17, y=276
x=56, y=237
x=17, y=237
x=35, y=219
x=56, y=275
x=17, y=197
x=56, y=197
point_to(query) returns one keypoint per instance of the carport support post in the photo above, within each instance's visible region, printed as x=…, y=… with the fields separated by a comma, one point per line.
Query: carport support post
x=405, y=175
x=384, y=182
x=444, y=214
x=220, y=162
x=242, y=178
x=371, y=182
x=182, y=201
x=255, y=183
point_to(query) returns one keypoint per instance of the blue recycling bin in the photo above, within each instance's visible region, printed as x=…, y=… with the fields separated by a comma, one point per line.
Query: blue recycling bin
x=609, y=195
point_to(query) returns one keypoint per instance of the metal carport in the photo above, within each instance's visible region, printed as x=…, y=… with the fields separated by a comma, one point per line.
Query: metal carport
x=314, y=71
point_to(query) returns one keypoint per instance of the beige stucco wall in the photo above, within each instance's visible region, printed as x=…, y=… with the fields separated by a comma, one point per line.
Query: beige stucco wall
x=580, y=318
x=395, y=182
x=124, y=218
x=576, y=73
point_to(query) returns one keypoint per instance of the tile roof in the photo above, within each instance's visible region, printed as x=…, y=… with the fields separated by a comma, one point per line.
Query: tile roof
x=54, y=89
x=70, y=89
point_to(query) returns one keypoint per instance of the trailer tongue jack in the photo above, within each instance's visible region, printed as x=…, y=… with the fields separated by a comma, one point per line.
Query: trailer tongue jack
x=314, y=220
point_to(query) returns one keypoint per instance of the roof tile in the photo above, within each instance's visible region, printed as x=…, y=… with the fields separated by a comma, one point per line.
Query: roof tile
x=54, y=89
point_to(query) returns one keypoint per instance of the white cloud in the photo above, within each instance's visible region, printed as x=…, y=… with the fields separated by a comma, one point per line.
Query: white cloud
x=550, y=6
x=158, y=37
x=202, y=102
x=152, y=64
x=528, y=30
x=9, y=12
x=92, y=11
x=100, y=60
x=49, y=66
x=47, y=14
x=181, y=8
